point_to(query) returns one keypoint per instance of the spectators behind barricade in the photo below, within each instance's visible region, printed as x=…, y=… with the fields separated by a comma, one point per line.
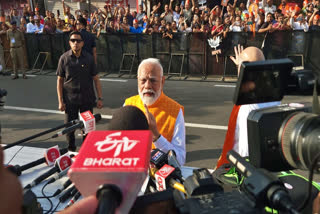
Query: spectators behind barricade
x=175, y=16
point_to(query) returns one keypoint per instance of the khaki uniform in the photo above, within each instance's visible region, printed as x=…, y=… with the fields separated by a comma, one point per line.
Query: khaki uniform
x=16, y=39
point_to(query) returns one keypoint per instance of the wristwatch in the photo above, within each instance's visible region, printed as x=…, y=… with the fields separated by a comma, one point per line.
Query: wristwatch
x=100, y=98
x=157, y=138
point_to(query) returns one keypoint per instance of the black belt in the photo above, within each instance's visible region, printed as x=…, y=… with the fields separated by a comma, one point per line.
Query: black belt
x=16, y=47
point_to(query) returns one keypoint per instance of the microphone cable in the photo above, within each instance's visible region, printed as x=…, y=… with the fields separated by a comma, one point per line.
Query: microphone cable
x=311, y=171
x=48, y=198
x=44, y=196
x=56, y=207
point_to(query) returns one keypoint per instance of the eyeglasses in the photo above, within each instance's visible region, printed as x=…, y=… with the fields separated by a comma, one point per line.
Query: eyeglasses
x=76, y=40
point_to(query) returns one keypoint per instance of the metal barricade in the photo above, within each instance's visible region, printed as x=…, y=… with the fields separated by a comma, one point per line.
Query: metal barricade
x=192, y=48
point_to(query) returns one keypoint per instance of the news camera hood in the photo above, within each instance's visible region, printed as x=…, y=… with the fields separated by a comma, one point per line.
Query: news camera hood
x=262, y=81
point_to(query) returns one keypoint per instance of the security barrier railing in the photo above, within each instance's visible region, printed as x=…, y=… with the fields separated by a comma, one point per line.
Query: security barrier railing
x=189, y=51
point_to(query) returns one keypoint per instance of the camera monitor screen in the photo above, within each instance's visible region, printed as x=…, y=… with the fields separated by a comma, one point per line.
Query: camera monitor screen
x=262, y=81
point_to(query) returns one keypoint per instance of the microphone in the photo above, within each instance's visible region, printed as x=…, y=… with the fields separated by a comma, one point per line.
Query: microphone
x=64, y=186
x=66, y=194
x=74, y=199
x=39, y=134
x=115, y=161
x=158, y=158
x=166, y=174
x=50, y=156
x=128, y=118
x=62, y=163
x=58, y=176
x=269, y=191
x=172, y=161
x=87, y=122
x=164, y=177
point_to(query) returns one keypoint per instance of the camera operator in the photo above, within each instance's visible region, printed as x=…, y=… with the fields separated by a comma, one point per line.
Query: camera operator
x=237, y=137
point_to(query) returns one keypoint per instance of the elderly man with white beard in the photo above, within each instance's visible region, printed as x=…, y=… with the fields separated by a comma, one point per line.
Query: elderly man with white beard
x=165, y=116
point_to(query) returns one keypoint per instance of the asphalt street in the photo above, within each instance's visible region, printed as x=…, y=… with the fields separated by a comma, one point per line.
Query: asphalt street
x=32, y=107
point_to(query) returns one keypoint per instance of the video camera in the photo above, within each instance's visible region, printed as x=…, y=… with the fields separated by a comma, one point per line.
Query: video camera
x=282, y=137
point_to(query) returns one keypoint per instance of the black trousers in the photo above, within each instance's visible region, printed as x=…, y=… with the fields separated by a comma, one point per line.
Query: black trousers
x=72, y=113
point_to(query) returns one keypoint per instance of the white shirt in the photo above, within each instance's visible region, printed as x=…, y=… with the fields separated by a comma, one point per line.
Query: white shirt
x=241, y=132
x=31, y=28
x=298, y=25
x=178, y=142
x=235, y=28
x=176, y=16
x=268, y=9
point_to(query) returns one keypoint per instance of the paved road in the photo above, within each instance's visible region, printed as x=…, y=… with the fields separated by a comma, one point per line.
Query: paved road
x=207, y=108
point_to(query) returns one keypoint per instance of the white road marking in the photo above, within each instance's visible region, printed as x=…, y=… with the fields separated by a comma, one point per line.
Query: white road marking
x=192, y=125
x=206, y=126
x=33, y=109
x=225, y=86
x=28, y=75
x=113, y=80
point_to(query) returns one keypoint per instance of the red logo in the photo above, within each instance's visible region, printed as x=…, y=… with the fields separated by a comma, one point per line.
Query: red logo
x=91, y=125
x=87, y=115
x=160, y=183
x=52, y=154
x=166, y=170
x=64, y=162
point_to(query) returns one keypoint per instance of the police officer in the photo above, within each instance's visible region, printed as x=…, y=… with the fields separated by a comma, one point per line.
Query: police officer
x=16, y=39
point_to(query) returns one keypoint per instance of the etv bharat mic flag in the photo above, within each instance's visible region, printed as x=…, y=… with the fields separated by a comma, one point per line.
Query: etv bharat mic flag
x=113, y=157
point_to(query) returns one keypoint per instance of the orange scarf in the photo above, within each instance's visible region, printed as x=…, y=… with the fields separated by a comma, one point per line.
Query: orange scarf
x=229, y=140
x=165, y=110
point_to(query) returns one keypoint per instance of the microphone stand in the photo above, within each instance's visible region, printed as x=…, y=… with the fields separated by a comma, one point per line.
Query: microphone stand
x=40, y=134
x=110, y=197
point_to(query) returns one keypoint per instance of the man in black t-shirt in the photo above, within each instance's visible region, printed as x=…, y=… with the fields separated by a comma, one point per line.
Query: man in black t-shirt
x=76, y=76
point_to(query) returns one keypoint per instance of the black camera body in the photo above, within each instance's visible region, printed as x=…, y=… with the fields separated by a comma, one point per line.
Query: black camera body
x=265, y=133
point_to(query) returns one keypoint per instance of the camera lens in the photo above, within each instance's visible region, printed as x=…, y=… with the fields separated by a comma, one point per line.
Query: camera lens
x=299, y=136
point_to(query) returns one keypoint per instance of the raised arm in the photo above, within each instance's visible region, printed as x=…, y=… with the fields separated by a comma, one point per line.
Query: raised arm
x=64, y=8
x=193, y=5
x=315, y=10
x=170, y=5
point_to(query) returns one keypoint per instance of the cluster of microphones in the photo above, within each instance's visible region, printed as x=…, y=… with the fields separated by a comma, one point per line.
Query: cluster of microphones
x=116, y=165
x=58, y=162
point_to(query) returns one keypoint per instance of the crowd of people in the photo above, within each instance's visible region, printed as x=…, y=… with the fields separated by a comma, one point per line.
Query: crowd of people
x=177, y=16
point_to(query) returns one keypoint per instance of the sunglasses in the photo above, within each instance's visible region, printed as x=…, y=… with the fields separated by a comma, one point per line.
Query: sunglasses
x=76, y=40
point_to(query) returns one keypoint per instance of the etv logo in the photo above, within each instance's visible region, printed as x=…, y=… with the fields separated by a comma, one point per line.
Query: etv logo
x=166, y=170
x=108, y=144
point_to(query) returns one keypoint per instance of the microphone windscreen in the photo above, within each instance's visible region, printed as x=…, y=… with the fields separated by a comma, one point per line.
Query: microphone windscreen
x=97, y=117
x=128, y=118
